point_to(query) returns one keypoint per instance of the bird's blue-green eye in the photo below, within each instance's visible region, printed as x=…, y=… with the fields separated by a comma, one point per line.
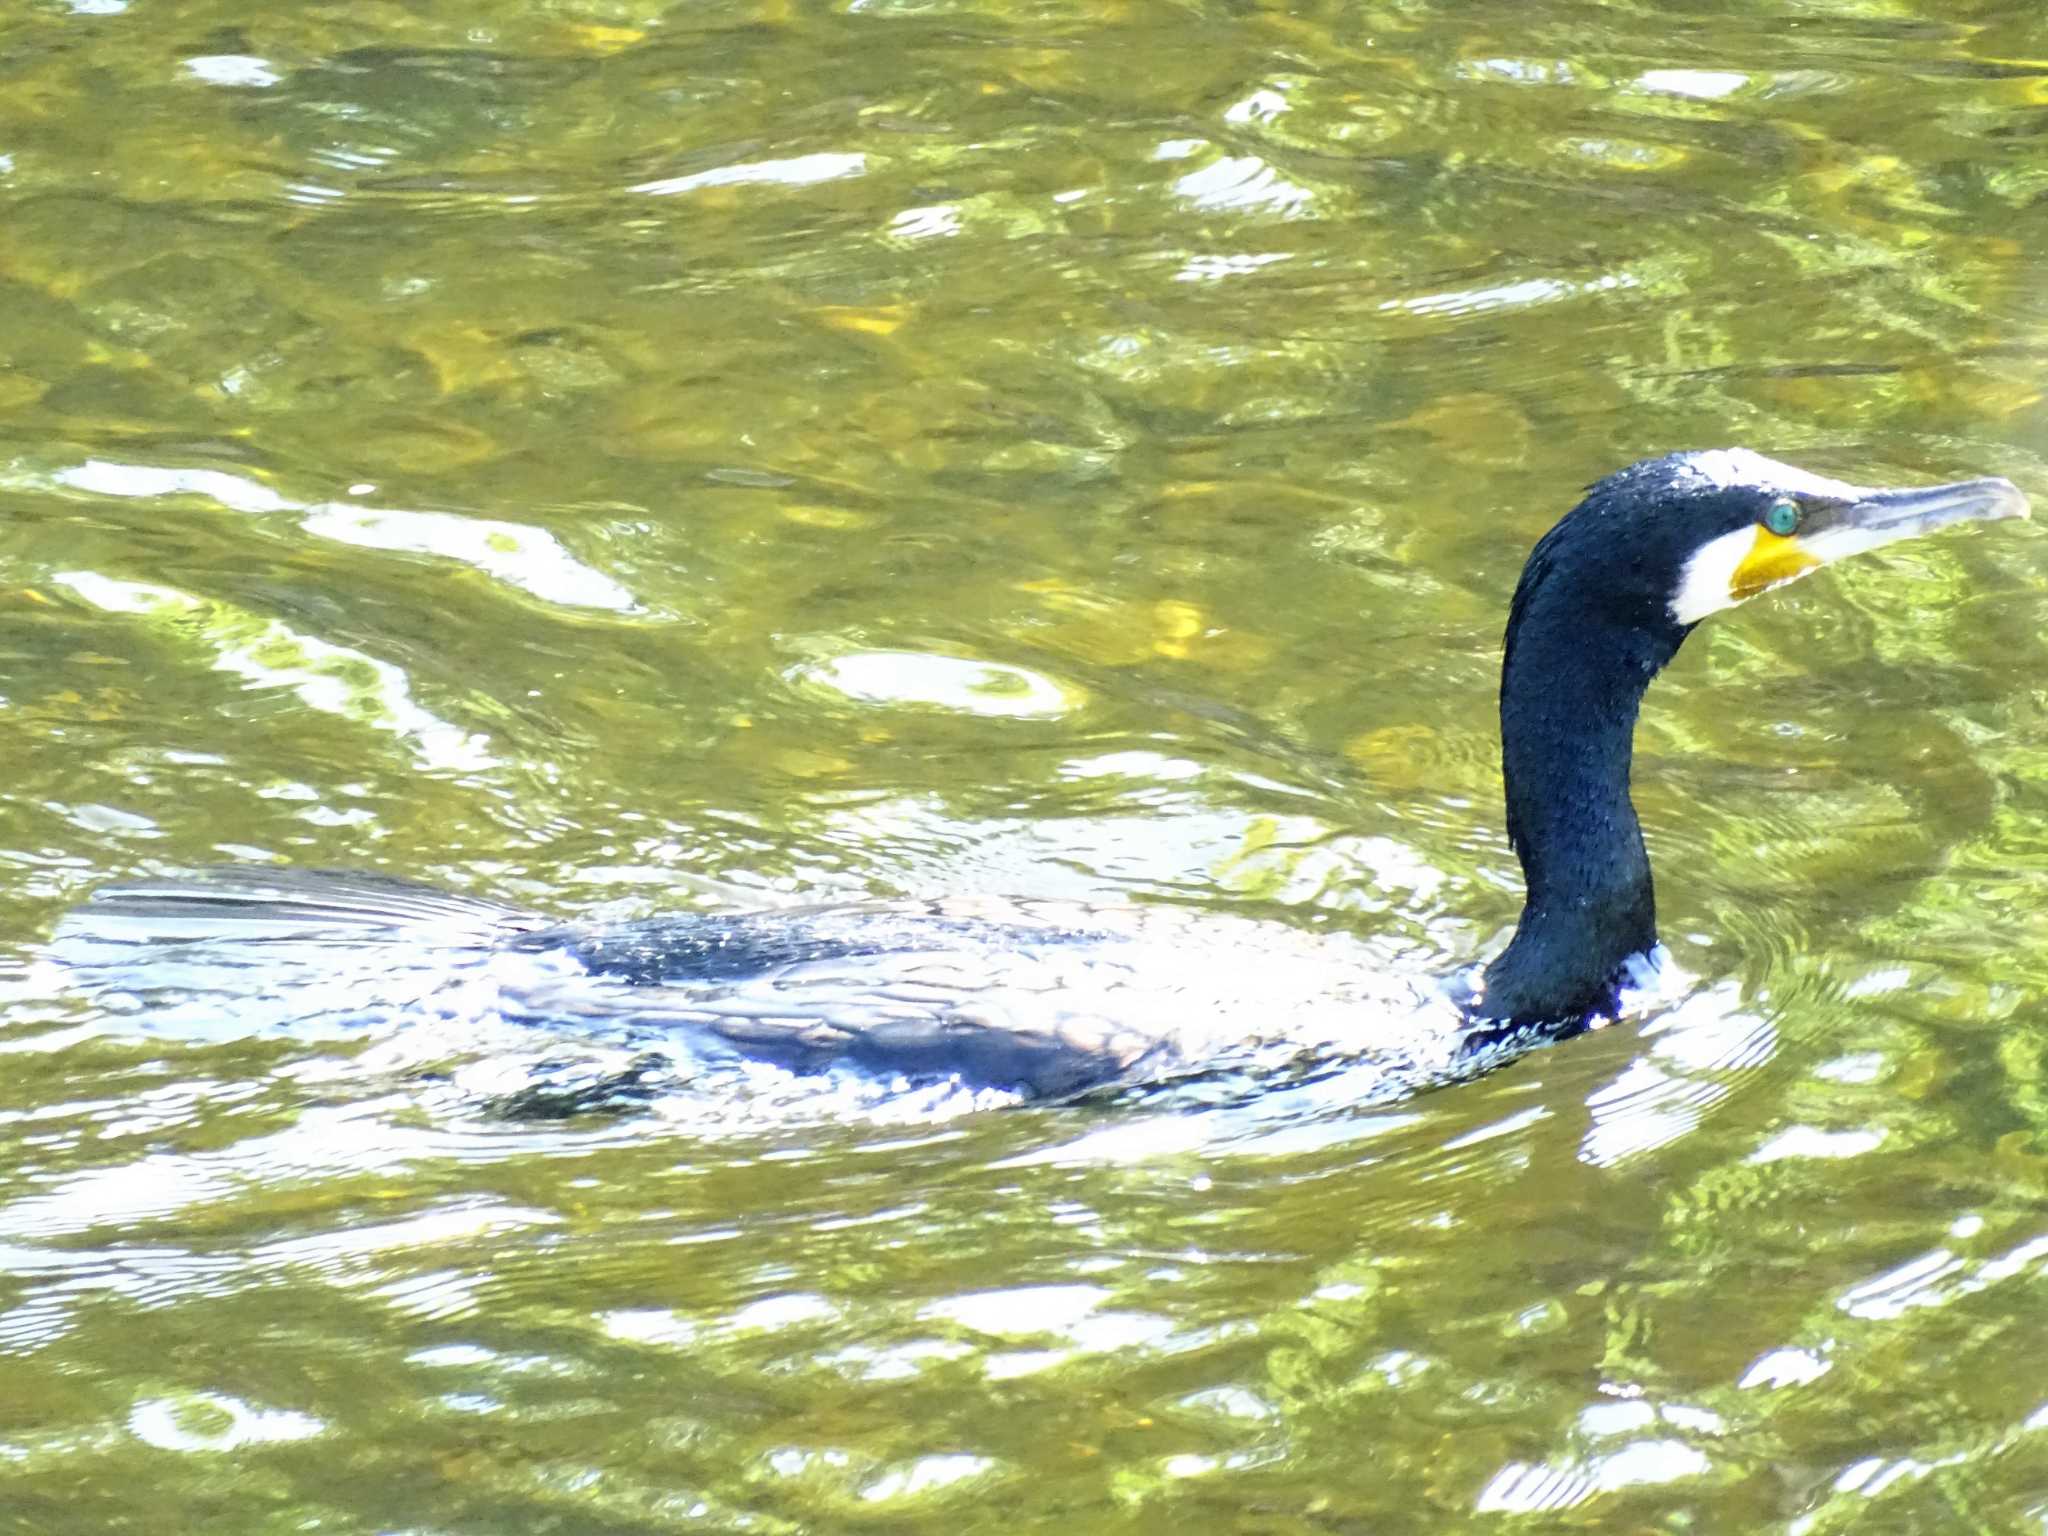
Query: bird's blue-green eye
x=1783, y=518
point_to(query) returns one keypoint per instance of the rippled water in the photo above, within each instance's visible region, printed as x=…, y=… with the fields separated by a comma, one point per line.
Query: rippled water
x=608, y=457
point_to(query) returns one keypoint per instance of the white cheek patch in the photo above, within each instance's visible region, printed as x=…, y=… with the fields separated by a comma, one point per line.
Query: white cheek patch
x=1707, y=584
x=1853, y=520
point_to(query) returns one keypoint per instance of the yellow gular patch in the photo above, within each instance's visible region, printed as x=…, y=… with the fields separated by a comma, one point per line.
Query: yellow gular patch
x=1771, y=559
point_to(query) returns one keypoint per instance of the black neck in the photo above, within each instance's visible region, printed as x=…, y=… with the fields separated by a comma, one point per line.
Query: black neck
x=1571, y=683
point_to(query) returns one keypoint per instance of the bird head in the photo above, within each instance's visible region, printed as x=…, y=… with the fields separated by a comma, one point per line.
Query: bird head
x=1666, y=542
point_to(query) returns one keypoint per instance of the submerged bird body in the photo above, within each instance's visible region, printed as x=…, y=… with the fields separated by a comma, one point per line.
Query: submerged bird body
x=1047, y=999
x=1043, y=999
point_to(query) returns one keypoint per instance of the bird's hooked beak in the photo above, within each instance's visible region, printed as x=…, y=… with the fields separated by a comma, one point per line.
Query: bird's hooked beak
x=1880, y=517
x=1816, y=521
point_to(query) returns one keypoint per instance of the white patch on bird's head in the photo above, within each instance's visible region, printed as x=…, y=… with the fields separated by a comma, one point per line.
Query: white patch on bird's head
x=1822, y=521
x=1709, y=581
x=1729, y=467
x=1751, y=559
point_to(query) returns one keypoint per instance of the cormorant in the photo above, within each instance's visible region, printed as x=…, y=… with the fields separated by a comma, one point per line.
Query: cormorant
x=1049, y=999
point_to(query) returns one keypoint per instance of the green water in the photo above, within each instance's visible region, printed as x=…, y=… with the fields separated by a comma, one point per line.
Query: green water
x=580, y=451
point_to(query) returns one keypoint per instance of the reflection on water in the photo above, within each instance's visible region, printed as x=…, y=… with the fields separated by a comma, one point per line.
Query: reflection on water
x=530, y=559
x=609, y=458
x=877, y=677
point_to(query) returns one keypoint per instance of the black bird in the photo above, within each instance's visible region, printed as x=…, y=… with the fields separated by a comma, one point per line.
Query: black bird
x=1048, y=999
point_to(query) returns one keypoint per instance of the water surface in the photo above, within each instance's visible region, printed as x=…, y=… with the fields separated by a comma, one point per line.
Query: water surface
x=609, y=456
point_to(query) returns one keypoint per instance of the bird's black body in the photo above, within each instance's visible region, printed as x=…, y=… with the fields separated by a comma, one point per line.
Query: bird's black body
x=1049, y=1000
x=1580, y=649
